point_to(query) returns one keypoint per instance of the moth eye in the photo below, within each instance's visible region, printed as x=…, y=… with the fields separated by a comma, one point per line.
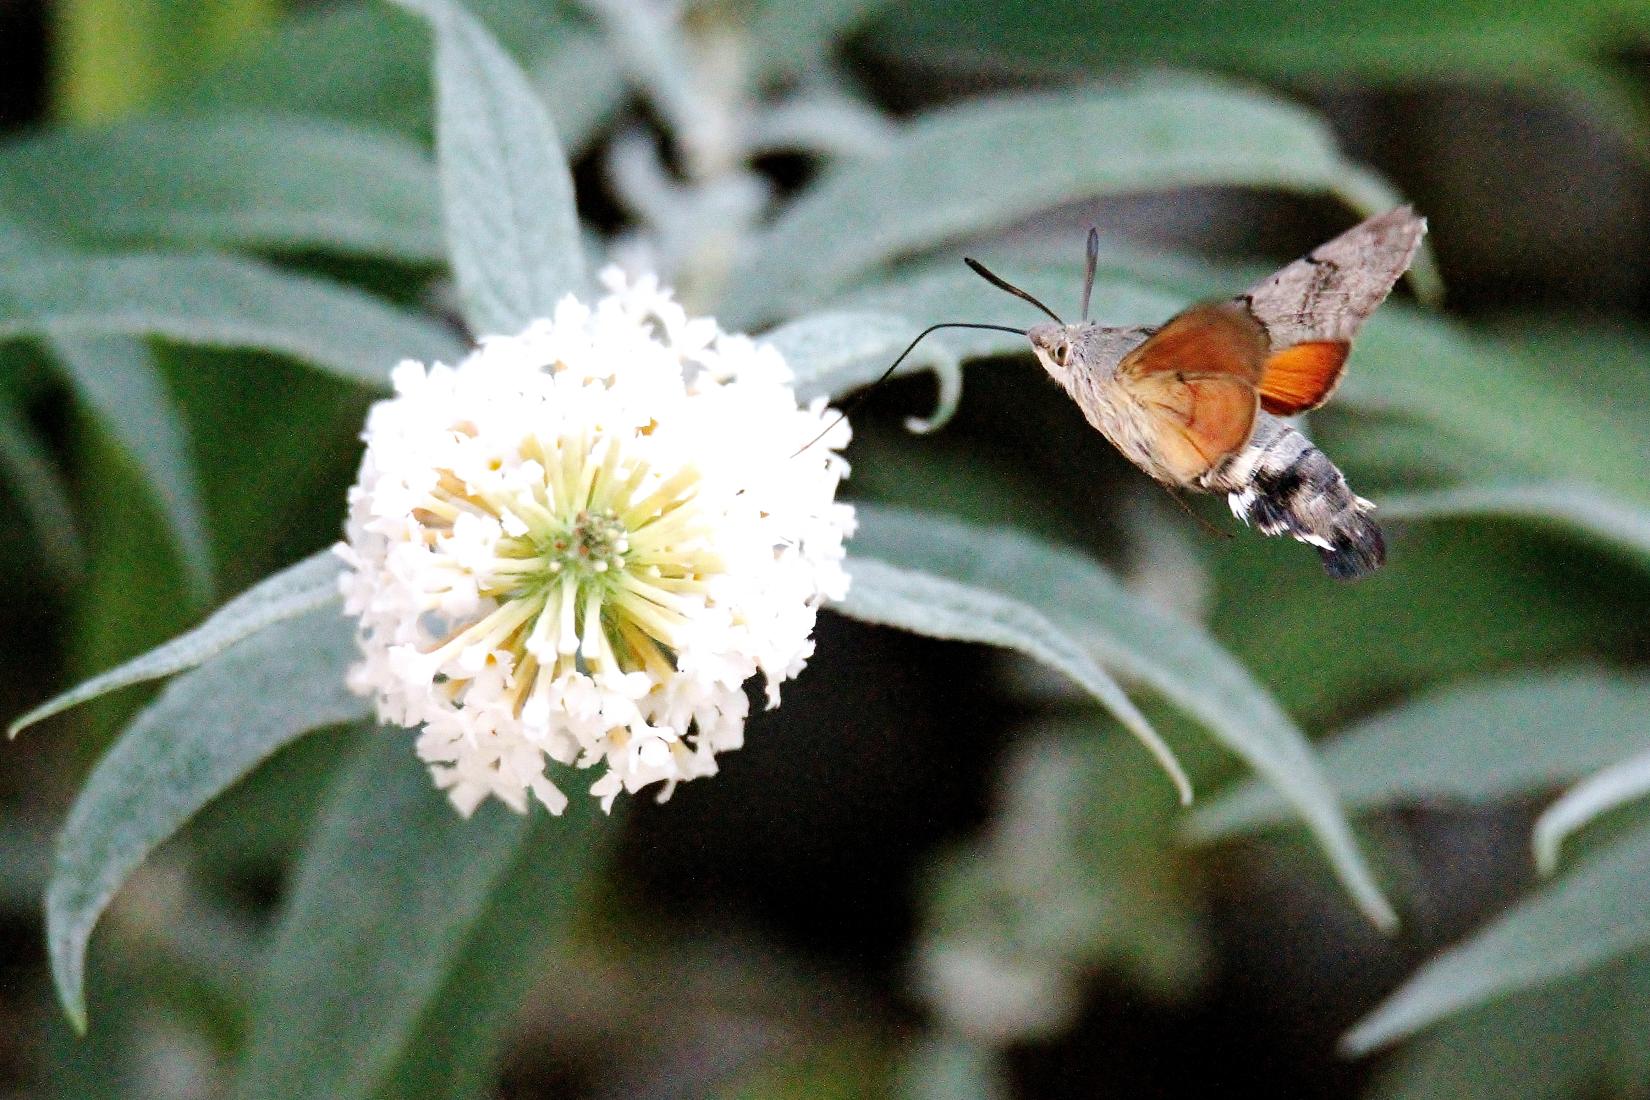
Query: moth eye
x=1062, y=352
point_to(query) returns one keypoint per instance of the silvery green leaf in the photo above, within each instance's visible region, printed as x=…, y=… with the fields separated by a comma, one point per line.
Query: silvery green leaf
x=1491, y=397
x=117, y=378
x=1474, y=742
x=651, y=46
x=823, y=123
x=507, y=194
x=831, y=354
x=580, y=83
x=1086, y=605
x=218, y=301
x=365, y=61
x=1605, y=790
x=204, y=732
x=1555, y=1042
x=1600, y=515
x=532, y=908
x=436, y=921
x=42, y=497
x=947, y=179
x=1595, y=913
x=304, y=587
x=939, y=607
x=236, y=180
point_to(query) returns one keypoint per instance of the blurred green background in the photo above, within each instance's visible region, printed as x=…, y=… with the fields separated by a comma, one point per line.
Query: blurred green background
x=933, y=872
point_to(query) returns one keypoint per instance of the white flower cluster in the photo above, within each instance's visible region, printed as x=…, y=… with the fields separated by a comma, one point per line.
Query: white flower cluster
x=579, y=543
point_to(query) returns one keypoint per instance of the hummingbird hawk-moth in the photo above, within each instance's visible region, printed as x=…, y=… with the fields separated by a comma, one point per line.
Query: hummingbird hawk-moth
x=1198, y=402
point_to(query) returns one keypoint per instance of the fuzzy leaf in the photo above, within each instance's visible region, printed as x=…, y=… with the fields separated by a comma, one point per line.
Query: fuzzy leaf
x=366, y=61
x=1595, y=796
x=939, y=607
x=833, y=353
x=1551, y=1043
x=1604, y=517
x=1597, y=912
x=311, y=584
x=209, y=728
x=1074, y=596
x=41, y=495
x=1472, y=743
x=218, y=301
x=232, y=180
x=407, y=899
x=945, y=180
x=118, y=379
x=507, y=194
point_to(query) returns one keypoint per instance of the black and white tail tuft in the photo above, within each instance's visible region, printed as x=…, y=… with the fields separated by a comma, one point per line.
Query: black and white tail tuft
x=1280, y=484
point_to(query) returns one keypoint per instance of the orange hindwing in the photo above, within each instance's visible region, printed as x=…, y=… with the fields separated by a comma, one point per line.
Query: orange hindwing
x=1302, y=377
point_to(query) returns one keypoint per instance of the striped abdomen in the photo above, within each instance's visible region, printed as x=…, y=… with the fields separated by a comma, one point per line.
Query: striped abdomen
x=1279, y=483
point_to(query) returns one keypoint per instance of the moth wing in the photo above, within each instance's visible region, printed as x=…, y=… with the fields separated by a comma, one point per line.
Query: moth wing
x=1300, y=378
x=1328, y=293
x=1194, y=382
x=1195, y=421
x=1212, y=338
x=1312, y=308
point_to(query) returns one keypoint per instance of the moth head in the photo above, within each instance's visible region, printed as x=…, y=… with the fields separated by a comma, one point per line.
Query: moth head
x=1056, y=347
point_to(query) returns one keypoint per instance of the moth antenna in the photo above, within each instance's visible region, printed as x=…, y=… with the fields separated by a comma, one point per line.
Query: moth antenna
x=1003, y=284
x=854, y=402
x=1180, y=502
x=1089, y=266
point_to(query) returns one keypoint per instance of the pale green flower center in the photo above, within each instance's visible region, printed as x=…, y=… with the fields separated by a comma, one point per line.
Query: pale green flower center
x=607, y=576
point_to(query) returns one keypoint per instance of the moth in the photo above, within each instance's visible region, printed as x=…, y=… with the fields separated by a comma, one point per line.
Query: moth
x=1198, y=402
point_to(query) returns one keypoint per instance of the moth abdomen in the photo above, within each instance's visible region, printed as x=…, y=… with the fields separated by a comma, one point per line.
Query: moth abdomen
x=1280, y=484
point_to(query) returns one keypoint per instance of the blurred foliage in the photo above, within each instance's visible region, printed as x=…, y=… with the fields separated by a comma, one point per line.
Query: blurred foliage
x=239, y=216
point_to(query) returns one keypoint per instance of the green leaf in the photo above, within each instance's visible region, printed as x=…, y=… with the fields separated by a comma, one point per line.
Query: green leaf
x=1597, y=912
x=1472, y=743
x=205, y=731
x=1371, y=39
x=528, y=915
x=219, y=301
x=367, y=61
x=1173, y=657
x=1551, y=1043
x=507, y=194
x=231, y=180
x=580, y=82
x=1600, y=516
x=944, y=180
x=40, y=492
x=1595, y=796
x=832, y=353
x=423, y=911
x=118, y=379
x=305, y=587
x=939, y=607
x=1493, y=397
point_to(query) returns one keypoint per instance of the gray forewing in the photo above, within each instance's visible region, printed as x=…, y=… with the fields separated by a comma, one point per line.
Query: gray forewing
x=1328, y=293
